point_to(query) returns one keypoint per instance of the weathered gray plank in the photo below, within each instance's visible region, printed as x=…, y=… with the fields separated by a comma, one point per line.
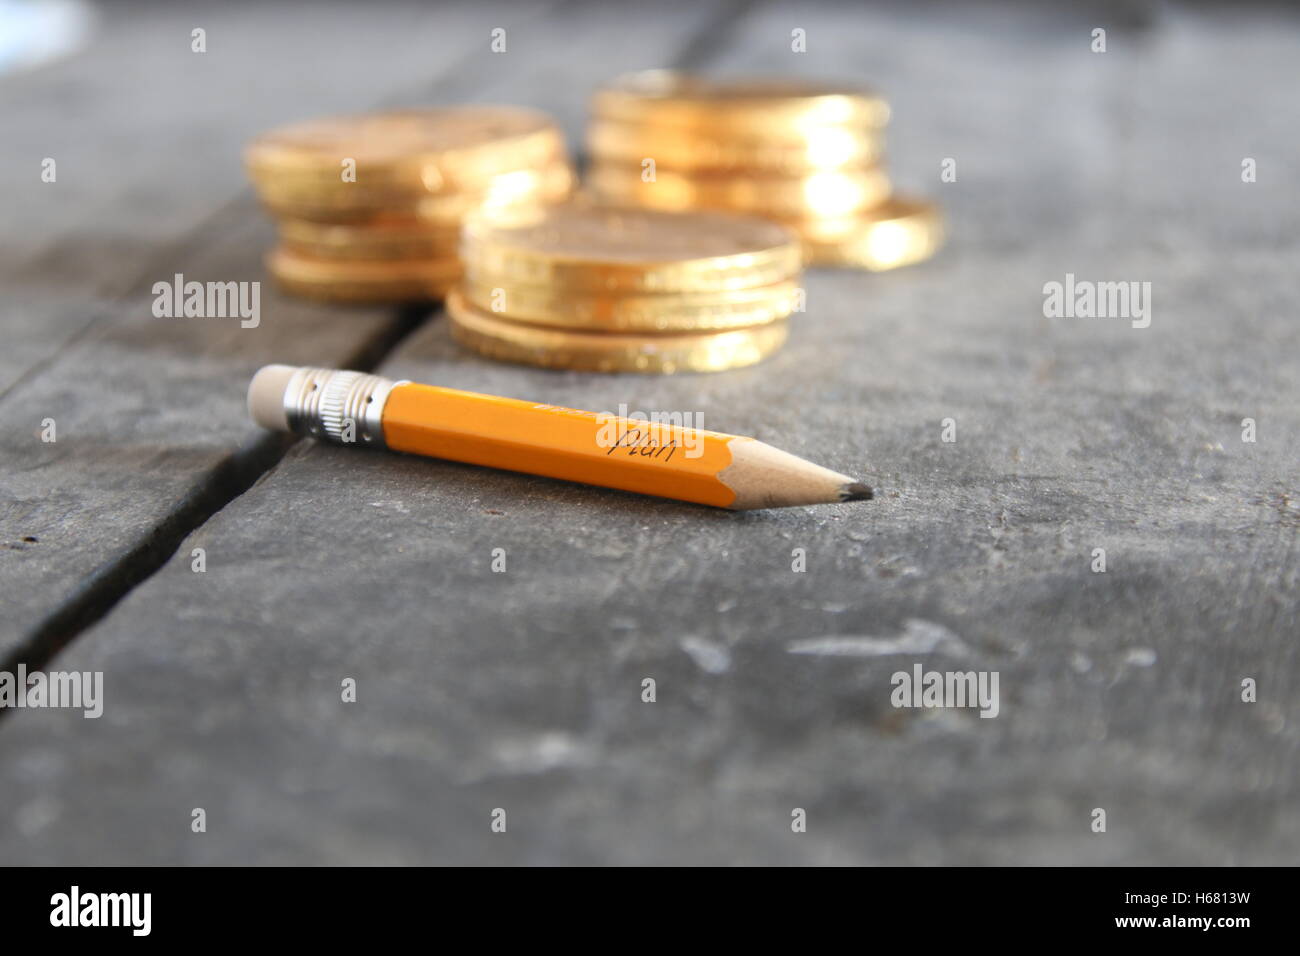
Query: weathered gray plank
x=1073, y=146
x=521, y=690
x=145, y=411
x=148, y=136
x=140, y=433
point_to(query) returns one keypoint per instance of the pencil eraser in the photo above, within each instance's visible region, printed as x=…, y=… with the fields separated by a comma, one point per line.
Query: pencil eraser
x=266, y=396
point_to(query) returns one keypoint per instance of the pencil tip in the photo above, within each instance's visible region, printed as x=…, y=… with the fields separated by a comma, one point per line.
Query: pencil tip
x=856, y=491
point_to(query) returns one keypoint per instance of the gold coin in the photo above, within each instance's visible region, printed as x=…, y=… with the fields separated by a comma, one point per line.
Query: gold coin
x=354, y=203
x=375, y=281
x=508, y=341
x=825, y=147
x=830, y=192
x=439, y=150
x=394, y=239
x=896, y=233
x=765, y=107
x=581, y=246
x=672, y=312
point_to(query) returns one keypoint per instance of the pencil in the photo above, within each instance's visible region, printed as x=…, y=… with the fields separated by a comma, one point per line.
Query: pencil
x=646, y=456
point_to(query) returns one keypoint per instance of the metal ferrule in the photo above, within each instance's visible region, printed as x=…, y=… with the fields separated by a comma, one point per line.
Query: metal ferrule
x=324, y=402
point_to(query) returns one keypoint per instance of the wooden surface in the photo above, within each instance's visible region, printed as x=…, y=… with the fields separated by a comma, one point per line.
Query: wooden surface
x=522, y=690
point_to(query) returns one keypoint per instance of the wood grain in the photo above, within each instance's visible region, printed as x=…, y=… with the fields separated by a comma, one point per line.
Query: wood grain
x=522, y=689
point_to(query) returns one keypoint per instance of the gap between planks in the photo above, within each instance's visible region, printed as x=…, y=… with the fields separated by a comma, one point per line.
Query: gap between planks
x=240, y=470
x=236, y=473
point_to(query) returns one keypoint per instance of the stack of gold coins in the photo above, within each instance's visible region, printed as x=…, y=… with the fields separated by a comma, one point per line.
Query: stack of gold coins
x=804, y=154
x=370, y=207
x=612, y=289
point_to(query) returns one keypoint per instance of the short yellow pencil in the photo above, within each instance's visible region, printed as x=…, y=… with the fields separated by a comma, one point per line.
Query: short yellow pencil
x=649, y=457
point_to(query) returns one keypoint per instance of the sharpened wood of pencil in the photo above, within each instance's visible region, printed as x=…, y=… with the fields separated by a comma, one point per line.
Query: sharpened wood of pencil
x=649, y=457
